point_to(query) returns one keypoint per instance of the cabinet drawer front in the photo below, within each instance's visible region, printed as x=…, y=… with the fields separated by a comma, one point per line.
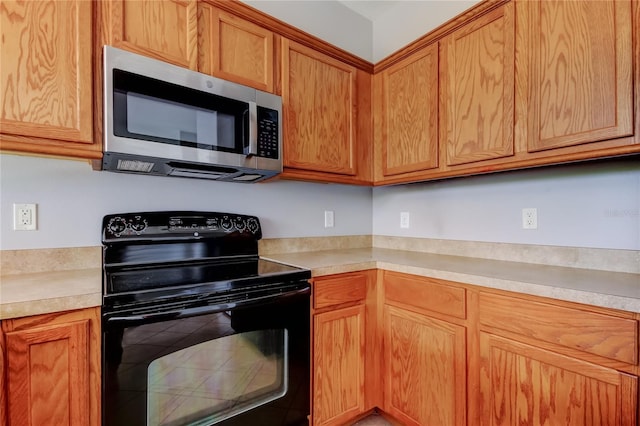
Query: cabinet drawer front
x=594, y=333
x=343, y=288
x=425, y=293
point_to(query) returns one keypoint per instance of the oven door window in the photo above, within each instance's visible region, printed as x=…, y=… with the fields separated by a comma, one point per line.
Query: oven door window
x=212, y=381
x=153, y=110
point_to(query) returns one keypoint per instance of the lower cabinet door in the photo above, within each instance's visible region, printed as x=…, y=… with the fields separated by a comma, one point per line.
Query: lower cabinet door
x=52, y=372
x=524, y=385
x=338, y=358
x=425, y=363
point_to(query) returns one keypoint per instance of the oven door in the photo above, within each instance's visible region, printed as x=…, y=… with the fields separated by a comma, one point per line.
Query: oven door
x=211, y=365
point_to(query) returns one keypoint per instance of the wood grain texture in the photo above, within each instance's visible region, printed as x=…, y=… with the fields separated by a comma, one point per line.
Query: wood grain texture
x=3, y=380
x=364, y=142
x=478, y=88
x=319, y=101
x=53, y=369
x=425, y=293
x=599, y=334
x=165, y=30
x=48, y=374
x=410, y=113
x=424, y=369
x=337, y=289
x=339, y=365
x=374, y=320
x=523, y=385
x=234, y=49
x=46, y=73
x=580, y=74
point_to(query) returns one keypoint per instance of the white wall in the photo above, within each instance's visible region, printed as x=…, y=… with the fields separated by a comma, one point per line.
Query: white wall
x=328, y=20
x=401, y=23
x=583, y=205
x=72, y=199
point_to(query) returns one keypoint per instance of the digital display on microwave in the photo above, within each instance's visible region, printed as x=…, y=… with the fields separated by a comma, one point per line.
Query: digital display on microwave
x=154, y=110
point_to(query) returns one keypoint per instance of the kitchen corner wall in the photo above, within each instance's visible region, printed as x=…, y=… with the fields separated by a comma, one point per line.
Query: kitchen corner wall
x=593, y=205
x=583, y=205
x=72, y=199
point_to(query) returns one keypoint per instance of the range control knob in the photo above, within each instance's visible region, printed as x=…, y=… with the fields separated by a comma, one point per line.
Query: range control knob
x=139, y=224
x=226, y=223
x=240, y=224
x=117, y=225
x=252, y=225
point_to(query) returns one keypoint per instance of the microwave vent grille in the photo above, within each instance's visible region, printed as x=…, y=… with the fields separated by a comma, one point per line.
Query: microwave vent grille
x=135, y=166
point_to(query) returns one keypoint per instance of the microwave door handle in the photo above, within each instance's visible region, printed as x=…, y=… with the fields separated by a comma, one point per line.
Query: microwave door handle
x=252, y=116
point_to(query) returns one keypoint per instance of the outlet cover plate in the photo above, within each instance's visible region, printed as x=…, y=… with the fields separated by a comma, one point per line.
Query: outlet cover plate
x=530, y=218
x=24, y=217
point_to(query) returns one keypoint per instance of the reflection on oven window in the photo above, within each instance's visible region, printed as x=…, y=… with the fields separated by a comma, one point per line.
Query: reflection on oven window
x=212, y=381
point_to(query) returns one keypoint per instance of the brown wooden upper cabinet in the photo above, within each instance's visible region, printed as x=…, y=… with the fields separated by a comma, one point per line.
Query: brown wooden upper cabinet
x=408, y=113
x=319, y=103
x=235, y=49
x=46, y=81
x=478, y=89
x=165, y=30
x=577, y=61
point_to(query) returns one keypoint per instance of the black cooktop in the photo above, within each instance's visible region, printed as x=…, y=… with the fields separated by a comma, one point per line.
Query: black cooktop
x=185, y=256
x=229, y=272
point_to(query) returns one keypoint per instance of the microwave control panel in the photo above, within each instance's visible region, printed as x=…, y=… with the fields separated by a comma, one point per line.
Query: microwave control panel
x=268, y=140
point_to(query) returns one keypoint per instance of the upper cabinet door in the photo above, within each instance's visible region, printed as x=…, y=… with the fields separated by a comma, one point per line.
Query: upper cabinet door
x=319, y=97
x=234, y=49
x=45, y=72
x=410, y=114
x=165, y=30
x=478, y=88
x=578, y=62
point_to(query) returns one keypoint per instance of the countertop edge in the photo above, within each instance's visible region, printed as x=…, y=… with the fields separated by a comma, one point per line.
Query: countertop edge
x=551, y=290
x=83, y=287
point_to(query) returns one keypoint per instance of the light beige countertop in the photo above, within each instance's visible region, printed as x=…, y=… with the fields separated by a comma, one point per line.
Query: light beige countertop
x=616, y=290
x=44, y=292
x=25, y=291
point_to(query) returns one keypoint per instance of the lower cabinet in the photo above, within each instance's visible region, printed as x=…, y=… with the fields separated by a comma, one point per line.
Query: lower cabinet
x=556, y=363
x=52, y=369
x=424, y=369
x=340, y=362
x=339, y=365
x=456, y=354
x=525, y=385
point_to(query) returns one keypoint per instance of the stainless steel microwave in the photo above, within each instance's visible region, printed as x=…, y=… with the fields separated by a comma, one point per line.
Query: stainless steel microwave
x=161, y=119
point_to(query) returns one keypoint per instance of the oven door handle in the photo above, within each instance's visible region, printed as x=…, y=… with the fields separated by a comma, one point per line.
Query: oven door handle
x=131, y=320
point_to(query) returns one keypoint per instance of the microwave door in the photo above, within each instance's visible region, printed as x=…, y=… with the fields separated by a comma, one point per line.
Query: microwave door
x=148, y=109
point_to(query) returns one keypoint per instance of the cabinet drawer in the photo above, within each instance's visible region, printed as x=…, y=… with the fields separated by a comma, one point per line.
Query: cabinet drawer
x=591, y=332
x=425, y=293
x=337, y=289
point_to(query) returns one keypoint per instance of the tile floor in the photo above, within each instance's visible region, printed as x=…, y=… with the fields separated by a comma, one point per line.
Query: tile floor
x=373, y=420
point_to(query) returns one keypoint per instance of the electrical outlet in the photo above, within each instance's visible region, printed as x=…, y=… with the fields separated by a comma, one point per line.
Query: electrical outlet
x=404, y=220
x=328, y=218
x=24, y=217
x=530, y=218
